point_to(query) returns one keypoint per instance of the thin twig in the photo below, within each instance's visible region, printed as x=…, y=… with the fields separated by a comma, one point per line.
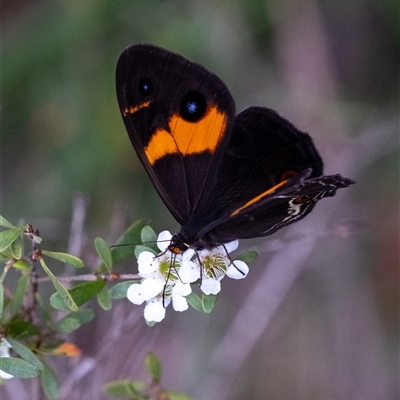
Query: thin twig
x=91, y=277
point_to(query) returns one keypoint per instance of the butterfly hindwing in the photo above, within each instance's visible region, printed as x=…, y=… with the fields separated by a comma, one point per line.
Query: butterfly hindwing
x=270, y=176
x=179, y=118
x=264, y=150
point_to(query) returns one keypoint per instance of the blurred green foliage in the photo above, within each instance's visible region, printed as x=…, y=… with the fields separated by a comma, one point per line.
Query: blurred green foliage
x=62, y=132
x=329, y=67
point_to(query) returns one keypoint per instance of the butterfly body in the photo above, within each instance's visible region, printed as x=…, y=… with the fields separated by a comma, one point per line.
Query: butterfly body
x=222, y=176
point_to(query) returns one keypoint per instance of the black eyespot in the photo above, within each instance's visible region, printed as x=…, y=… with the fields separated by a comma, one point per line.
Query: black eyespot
x=145, y=86
x=193, y=106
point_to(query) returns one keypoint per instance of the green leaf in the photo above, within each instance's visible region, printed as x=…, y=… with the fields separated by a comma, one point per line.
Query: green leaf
x=65, y=258
x=20, y=291
x=9, y=235
x=5, y=223
x=104, y=299
x=118, y=291
x=16, y=248
x=247, y=256
x=25, y=353
x=149, y=238
x=208, y=302
x=80, y=294
x=104, y=252
x=21, y=264
x=1, y=300
x=130, y=237
x=153, y=365
x=195, y=301
x=43, y=308
x=50, y=383
x=124, y=388
x=21, y=329
x=175, y=395
x=74, y=320
x=62, y=292
x=18, y=367
x=141, y=248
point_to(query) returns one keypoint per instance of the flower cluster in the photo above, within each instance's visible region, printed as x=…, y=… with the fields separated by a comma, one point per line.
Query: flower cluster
x=167, y=277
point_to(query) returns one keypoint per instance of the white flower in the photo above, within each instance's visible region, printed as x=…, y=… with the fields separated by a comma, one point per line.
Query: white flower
x=210, y=266
x=167, y=277
x=5, y=352
x=160, y=284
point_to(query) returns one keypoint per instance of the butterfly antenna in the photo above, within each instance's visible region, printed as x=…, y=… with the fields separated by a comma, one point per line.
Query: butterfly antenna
x=232, y=262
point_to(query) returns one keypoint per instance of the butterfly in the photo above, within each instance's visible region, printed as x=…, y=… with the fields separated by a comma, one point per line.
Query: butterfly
x=222, y=176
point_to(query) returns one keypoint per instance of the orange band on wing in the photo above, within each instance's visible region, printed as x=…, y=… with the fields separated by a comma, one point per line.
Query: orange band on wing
x=133, y=109
x=259, y=197
x=186, y=137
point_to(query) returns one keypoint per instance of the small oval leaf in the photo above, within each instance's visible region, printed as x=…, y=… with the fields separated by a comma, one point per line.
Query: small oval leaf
x=148, y=235
x=247, y=256
x=62, y=292
x=104, y=299
x=65, y=258
x=130, y=237
x=104, y=252
x=9, y=235
x=195, y=301
x=27, y=354
x=118, y=291
x=153, y=365
x=21, y=264
x=80, y=294
x=5, y=223
x=49, y=382
x=124, y=388
x=18, y=367
x=18, y=298
x=16, y=248
x=74, y=320
x=1, y=300
x=208, y=302
x=175, y=395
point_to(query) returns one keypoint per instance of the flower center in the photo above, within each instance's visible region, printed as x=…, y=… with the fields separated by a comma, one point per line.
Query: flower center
x=214, y=266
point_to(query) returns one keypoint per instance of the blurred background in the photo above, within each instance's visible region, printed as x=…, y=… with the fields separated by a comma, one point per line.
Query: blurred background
x=317, y=317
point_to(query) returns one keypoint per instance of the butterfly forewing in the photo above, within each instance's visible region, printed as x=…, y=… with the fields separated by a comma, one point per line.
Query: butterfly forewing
x=179, y=117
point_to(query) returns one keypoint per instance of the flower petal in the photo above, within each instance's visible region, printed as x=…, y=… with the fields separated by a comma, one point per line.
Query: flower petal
x=210, y=286
x=238, y=270
x=151, y=287
x=134, y=294
x=179, y=303
x=231, y=246
x=181, y=289
x=164, y=240
x=189, y=272
x=154, y=311
x=188, y=255
x=148, y=264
